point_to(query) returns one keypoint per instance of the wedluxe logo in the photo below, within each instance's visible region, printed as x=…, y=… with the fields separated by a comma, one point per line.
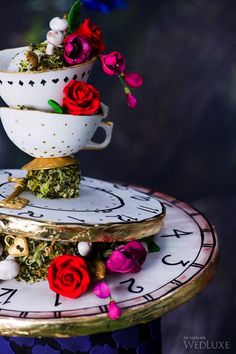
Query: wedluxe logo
x=206, y=344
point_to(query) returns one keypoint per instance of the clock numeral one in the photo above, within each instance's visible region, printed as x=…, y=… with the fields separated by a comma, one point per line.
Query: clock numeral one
x=175, y=263
x=178, y=233
x=57, y=300
x=31, y=214
x=10, y=292
x=131, y=289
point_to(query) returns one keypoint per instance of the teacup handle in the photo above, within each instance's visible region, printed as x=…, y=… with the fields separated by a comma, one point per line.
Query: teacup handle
x=107, y=127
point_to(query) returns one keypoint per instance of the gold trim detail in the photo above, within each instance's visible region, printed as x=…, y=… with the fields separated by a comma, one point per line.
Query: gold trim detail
x=48, y=231
x=48, y=163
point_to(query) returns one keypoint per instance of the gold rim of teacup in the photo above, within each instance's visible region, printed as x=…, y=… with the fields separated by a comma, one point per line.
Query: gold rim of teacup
x=102, y=106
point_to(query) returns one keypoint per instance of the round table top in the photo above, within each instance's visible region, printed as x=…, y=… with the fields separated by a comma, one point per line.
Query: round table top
x=181, y=269
x=103, y=212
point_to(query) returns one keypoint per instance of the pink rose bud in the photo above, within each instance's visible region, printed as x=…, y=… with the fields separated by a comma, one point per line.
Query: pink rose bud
x=113, y=63
x=114, y=312
x=127, y=258
x=131, y=101
x=102, y=290
x=77, y=50
x=133, y=79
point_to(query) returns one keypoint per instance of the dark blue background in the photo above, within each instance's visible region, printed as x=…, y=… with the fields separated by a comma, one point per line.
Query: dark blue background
x=181, y=138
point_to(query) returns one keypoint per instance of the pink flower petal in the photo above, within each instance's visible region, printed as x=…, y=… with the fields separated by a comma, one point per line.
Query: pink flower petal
x=102, y=290
x=133, y=79
x=114, y=312
x=131, y=101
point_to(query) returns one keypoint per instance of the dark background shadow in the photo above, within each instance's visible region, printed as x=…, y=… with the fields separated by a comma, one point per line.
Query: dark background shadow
x=181, y=138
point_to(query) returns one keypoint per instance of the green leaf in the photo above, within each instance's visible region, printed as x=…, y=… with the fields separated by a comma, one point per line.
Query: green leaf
x=152, y=246
x=55, y=106
x=73, y=17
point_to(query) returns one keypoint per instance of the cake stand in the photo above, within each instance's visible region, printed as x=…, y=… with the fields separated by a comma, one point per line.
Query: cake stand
x=181, y=269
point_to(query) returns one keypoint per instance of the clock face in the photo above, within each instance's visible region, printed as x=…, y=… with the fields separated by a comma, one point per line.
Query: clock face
x=99, y=203
x=103, y=212
x=188, y=248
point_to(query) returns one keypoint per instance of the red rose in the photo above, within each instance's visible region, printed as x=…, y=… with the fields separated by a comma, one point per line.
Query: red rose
x=93, y=34
x=68, y=276
x=81, y=98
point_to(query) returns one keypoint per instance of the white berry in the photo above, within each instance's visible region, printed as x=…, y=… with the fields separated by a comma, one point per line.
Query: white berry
x=9, y=268
x=84, y=248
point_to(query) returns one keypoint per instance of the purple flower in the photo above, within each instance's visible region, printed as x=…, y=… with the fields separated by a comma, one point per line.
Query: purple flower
x=114, y=312
x=102, y=290
x=113, y=63
x=127, y=258
x=104, y=5
x=77, y=50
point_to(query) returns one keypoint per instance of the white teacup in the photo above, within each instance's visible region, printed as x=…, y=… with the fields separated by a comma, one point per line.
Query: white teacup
x=34, y=89
x=46, y=134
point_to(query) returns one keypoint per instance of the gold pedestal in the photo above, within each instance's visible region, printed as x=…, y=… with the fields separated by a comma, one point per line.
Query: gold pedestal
x=48, y=163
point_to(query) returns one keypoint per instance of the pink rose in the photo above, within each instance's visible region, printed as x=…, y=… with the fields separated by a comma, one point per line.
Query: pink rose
x=127, y=258
x=113, y=63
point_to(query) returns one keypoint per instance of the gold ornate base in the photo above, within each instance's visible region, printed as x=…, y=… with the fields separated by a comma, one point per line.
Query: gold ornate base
x=48, y=163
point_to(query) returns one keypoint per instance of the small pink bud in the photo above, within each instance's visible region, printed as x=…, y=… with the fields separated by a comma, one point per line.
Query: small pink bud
x=133, y=79
x=131, y=101
x=114, y=311
x=102, y=290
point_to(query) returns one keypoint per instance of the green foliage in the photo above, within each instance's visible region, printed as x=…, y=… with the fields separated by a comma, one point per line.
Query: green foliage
x=55, y=106
x=34, y=267
x=60, y=182
x=74, y=17
x=152, y=246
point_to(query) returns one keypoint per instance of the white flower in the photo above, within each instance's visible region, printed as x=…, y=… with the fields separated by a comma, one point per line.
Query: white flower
x=9, y=268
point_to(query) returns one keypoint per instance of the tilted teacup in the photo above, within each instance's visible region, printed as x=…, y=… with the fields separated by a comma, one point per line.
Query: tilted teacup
x=33, y=89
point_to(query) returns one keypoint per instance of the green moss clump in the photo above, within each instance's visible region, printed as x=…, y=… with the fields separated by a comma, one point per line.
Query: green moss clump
x=60, y=182
x=38, y=60
x=34, y=267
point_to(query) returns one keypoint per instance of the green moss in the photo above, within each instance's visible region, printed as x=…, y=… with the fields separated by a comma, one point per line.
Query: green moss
x=34, y=267
x=44, y=61
x=61, y=182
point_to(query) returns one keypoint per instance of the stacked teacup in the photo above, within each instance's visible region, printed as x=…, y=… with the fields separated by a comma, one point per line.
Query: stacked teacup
x=37, y=130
